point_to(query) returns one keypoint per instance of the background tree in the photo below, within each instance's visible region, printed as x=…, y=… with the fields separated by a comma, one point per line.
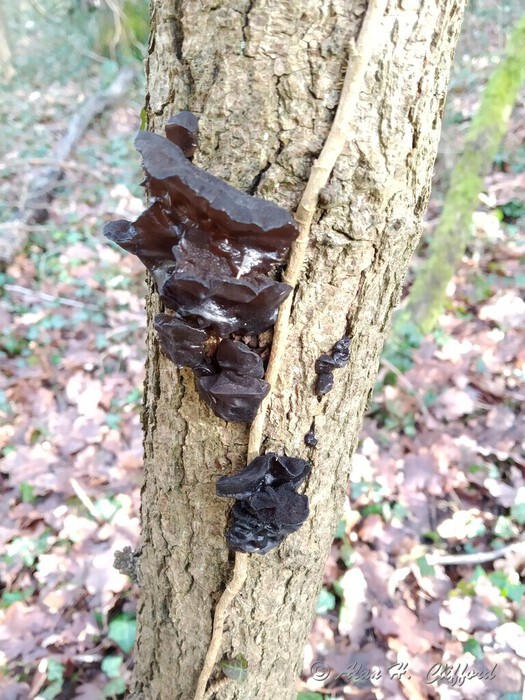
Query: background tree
x=265, y=80
x=7, y=70
x=447, y=245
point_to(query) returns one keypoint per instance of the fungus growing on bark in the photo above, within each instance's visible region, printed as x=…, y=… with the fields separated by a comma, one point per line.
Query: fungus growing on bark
x=238, y=357
x=209, y=248
x=231, y=396
x=325, y=365
x=181, y=343
x=309, y=439
x=267, y=506
x=183, y=130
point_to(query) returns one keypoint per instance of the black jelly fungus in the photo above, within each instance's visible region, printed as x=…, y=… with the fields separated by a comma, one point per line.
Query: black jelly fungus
x=209, y=248
x=267, y=506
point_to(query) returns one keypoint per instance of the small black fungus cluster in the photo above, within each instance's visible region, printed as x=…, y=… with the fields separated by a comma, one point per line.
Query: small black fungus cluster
x=209, y=248
x=326, y=364
x=309, y=439
x=267, y=506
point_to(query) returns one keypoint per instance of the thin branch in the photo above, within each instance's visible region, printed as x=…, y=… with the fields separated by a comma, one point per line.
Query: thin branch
x=39, y=192
x=361, y=52
x=24, y=291
x=12, y=163
x=473, y=559
x=85, y=500
x=239, y=577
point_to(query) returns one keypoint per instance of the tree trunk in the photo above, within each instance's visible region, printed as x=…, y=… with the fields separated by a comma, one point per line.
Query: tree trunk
x=265, y=78
x=7, y=70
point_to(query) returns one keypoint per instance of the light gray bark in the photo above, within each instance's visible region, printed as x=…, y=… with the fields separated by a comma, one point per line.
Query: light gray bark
x=265, y=77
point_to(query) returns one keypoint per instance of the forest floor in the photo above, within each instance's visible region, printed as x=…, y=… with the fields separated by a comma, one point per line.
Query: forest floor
x=423, y=595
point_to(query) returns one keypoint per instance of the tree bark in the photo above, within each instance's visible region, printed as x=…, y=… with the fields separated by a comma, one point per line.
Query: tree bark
x=265, y=79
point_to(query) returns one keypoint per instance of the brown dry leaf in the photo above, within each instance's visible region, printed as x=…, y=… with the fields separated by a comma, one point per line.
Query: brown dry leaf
x=92, y=690
x=507, y=674
x=32, y=465
x=510, y=636
x=77, y=528
x=467, y=614
x=504, y=494
x=429, y=621
x=421, y=473
x=354, y=611
x=7, y=534
x=505, y=187
x=102, y=579
x=436, y=586
x=20, y=625
x=11, y=689
x=85, y=393
x=79, y=630
x=500, y=417
x=507, y=310
x=372, y=528
x=57, y=600
x=402, y=623
x=376, y=572
x=454, y=403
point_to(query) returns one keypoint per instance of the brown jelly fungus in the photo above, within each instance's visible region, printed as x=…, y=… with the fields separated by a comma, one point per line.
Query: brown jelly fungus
x=267, y=506
x=325, y=364
x=209, y=248
x=309, y=439
x=231, y=396
x=238, y=357
x=183, y=131
x=181, y=343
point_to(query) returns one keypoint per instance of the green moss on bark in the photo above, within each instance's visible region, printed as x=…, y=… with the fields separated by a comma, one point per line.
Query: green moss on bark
x=427, y=296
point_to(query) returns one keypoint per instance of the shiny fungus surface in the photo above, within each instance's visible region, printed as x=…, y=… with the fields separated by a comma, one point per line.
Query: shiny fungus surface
x=209, y=248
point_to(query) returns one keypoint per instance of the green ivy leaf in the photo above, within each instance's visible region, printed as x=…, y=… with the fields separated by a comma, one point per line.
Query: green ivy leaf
x=55, y=670
x=518, y=512
x=122, y=630
x=425, y=568
x=52, y=691
x=27, y=492
x=325, y=602
x=515, y=592
x=340, y=530
x=473, y=647
x=116, y=686
x=111, y=666
x=236, y=669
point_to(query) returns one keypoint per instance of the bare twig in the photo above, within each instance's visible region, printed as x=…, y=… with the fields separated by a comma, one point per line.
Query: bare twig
x=231, y=590
x=85, y=499
x=12, y=163
x=361, y=52
x=473, y=559
x=39, y=191
x=24, y=291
